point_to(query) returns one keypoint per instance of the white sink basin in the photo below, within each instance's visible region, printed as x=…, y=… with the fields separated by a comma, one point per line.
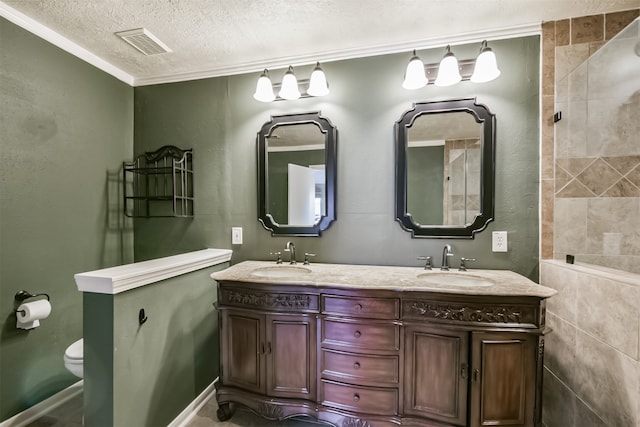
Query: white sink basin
x=280, y=271
x=456, y=279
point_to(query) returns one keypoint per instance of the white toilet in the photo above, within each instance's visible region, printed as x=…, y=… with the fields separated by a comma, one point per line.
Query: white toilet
x=74, y=358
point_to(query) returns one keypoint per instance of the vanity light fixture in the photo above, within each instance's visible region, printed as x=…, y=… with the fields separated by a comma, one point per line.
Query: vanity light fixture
x=318, y=82
x=415, y=77
x=264, y=88
x=291, y=87
x=486, y=68
x=450, y=71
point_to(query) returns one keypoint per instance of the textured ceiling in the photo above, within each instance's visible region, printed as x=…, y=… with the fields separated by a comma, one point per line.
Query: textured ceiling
x=221, y=37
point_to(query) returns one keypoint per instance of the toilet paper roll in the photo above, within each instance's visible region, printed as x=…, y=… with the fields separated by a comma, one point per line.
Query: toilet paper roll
x=29, y=314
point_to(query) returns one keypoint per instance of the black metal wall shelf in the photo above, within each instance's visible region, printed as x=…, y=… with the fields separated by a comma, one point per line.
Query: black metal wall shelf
x=159, y=184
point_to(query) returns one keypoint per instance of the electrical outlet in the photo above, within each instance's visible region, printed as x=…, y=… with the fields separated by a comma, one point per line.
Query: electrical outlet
x=236, y=235
x=499, y=241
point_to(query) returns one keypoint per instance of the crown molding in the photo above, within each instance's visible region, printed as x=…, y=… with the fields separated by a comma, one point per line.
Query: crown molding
x=63, y=43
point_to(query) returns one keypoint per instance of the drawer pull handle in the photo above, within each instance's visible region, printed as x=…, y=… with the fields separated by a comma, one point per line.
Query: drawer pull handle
x=356, y=397
x=358, y=307
x=357, y=334
x=356, y=365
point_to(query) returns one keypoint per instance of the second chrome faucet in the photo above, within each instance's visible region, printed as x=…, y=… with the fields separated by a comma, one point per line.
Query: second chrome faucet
x=291, y=248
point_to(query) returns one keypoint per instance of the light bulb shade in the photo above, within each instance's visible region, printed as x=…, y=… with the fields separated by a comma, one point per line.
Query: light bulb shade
x=486, y=68
x=264, y=88
x=318, y=82
x=415, y=76
x=448, y=71
x=289, y=89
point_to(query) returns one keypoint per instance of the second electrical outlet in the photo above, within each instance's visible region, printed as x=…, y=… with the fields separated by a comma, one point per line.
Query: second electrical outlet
x=499, y=241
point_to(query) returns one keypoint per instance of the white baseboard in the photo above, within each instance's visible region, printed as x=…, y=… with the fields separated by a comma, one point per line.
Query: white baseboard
x=38, y=410
x=192, y=409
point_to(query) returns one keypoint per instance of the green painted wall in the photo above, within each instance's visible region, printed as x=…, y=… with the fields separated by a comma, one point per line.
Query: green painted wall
x=219, y=119
x=145, y=375
x=63, y=125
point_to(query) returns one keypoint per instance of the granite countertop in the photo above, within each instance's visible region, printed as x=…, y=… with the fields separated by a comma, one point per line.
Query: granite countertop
x=403, y=279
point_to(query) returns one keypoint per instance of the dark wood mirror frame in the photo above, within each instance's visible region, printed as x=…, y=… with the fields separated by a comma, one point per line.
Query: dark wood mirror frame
x=482, y=115
x=331, y=139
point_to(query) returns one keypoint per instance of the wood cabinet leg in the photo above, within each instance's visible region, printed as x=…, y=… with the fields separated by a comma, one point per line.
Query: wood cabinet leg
x=225, y=411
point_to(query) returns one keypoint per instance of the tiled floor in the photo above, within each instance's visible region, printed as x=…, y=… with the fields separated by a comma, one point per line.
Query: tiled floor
x=70, y=415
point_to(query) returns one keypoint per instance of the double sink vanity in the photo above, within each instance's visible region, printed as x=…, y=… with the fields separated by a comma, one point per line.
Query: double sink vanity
x=374, y=346
x=370, y=346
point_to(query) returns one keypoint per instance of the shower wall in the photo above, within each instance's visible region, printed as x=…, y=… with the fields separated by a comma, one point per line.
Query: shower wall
x=590, y=208
x=597, y=167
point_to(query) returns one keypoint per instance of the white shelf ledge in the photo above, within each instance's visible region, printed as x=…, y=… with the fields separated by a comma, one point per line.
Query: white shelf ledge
x=122, y=278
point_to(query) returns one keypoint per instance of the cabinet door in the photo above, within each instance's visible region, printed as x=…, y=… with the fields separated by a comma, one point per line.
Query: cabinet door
x=242, y=350
x=291, y=356
x=503, y=379
x=436, y=374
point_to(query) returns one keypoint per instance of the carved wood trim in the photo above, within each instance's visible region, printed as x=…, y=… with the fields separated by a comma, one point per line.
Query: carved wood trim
x=268, y=299
x=355, y=422
x=271, y=411
x=470, y=312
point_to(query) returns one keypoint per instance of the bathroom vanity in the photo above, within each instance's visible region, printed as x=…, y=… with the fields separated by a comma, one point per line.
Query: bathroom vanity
x=370, y=346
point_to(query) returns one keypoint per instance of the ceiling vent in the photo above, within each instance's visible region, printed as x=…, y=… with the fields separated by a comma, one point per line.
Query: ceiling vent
x=144, y=41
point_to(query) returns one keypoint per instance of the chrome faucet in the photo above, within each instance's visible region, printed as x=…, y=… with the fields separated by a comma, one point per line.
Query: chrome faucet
x=291, y=248
x=446, y=253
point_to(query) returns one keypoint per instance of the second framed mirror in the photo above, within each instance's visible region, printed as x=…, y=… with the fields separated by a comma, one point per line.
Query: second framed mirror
x=445, y=168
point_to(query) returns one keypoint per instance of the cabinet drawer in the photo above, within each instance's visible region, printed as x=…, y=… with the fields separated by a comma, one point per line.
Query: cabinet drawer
x=360, y=335
x=375, y=401
x=377, y=308
x=359, y=367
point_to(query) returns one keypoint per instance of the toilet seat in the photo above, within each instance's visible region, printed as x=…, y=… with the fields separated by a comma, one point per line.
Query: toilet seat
x=74, y=358
x=75, y=351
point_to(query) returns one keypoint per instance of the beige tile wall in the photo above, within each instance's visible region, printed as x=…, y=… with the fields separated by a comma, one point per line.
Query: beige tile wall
x=565, y=45
x=592, y=354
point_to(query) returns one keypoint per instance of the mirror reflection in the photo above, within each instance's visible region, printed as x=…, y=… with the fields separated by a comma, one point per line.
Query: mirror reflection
x=445, y=168
x=296, y=174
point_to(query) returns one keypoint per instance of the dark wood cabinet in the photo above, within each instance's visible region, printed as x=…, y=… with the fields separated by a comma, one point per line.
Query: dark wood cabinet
x=243, y=339
x=271, y=354
x=436, y=374
x=503, y=379
x=291, y=356
x=358, y=357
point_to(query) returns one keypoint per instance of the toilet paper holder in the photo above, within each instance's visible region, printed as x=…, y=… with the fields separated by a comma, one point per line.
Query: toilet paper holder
x=23, y=295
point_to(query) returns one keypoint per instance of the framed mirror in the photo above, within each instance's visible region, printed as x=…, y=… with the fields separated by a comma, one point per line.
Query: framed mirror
x=297, y=174
x=445, y=169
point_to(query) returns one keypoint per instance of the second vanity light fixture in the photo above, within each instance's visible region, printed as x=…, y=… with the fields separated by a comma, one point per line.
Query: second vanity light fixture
x=290, y=86
x=450, y=71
